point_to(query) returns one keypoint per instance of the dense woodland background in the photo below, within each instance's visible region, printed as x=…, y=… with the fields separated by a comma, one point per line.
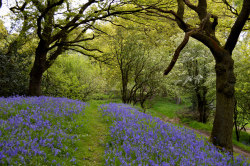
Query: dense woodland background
x=119, y=49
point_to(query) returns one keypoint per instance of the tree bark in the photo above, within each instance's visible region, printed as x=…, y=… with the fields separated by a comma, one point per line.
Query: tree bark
x=124, y=88
x=202, y=105
x=35, y=83
x=205, y=109
x=221, y=135
x=38, y=69
x=237, y=132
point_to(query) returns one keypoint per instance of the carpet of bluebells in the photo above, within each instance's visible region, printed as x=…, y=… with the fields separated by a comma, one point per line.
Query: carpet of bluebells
x=139, y=139
x=38, y=130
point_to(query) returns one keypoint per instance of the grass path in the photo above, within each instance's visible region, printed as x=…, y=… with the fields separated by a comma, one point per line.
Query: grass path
x=92, y=142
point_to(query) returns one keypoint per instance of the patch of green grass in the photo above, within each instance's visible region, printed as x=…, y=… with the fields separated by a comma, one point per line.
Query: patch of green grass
x=166, y=107
x=241, y=145
x=197, y=125
x=104, y=101
x=244, y=140
x=91, y=144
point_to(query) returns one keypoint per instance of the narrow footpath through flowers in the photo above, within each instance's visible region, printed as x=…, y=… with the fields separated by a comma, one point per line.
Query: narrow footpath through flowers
x=94, y=141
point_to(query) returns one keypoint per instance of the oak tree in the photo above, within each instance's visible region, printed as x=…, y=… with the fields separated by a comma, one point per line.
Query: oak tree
x=62, y=25
x=205, y=32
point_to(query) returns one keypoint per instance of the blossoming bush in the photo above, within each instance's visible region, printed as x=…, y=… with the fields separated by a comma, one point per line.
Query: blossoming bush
x=38, y=130
x=139, y=139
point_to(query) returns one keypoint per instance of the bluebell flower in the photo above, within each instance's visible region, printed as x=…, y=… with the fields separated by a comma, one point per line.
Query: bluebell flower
x=139, y=139
x=25, y=132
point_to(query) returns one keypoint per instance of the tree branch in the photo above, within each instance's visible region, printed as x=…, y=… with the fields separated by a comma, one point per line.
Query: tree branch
x=180, y=14
x=112, y=22
x=90, y=55
x=230, y=8
x=238, y=26
x=135, y=21
x=80, y=40
x=39, y=20
x=202, y=9
x=178, y=17
x=161, y=15
x=55, y=54
x=110, y=6
x=19, y=8
x=82, y=32
x=99, y=30
x=190, y=5
x=74, y=25
x=178, y=50
x=38, y=5
x=78, y=16
x=82, y=47
x=215, y=22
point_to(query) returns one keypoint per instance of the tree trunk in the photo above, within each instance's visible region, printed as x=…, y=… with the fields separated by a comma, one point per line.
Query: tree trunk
x=124, y=92
x=38, y=69
x=201, y=111
x=235, y=122
x=200, y=106
x=201, y=103
x=35, y=83
x=221, y=135
x=205, y=109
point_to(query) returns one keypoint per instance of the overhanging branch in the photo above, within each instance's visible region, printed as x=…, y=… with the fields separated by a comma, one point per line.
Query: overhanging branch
x=74, y=24
x=82, y=47
x=231, y=8
x=90, y=55
x=238, y=26
x=39, y=20
x=113, y=23
x=178, y=50
x=177, y=17
x=190, y=5
x=161, y=15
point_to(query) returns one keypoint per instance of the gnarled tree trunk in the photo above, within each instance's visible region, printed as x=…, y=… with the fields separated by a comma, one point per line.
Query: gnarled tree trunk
x=225, y=80
x=223, y=123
